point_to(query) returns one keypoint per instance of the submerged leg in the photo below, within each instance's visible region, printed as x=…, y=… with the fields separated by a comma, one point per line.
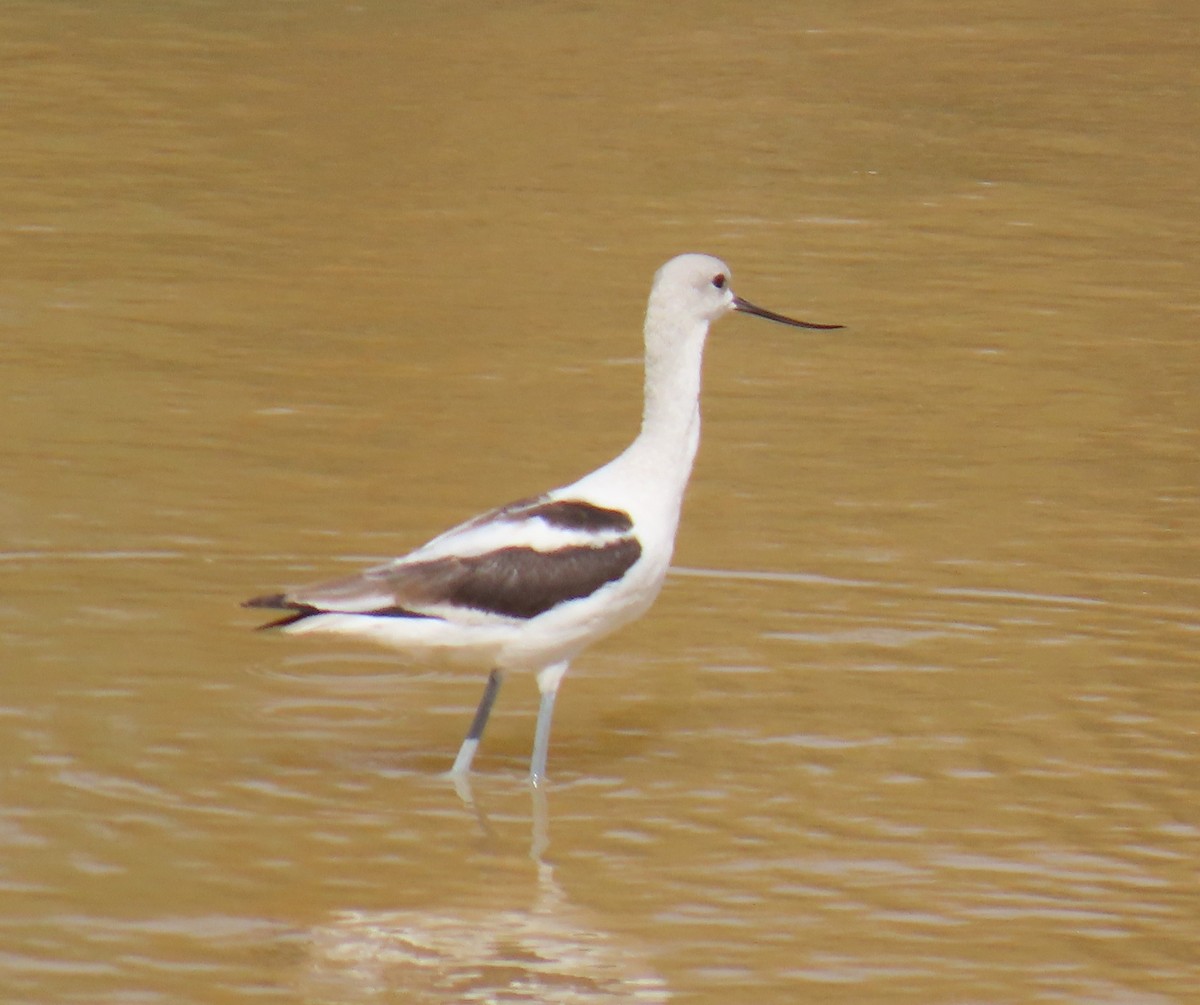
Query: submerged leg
x=466, y=753
x=548, y=681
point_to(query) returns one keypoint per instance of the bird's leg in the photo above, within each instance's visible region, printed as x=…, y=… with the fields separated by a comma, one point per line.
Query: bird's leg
x=466, y=753
x=541, y=739
x=548, y=681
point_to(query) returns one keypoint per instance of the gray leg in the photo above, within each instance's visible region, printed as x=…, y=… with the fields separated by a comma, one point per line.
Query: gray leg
x=548, y=681
x=466, y=753
x=541, y=738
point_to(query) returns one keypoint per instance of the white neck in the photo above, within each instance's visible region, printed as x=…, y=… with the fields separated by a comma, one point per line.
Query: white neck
x=653, y=471
x=671, y=411
x=661, y=457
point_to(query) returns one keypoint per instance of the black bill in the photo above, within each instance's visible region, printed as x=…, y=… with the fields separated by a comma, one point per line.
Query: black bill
x=748, y=308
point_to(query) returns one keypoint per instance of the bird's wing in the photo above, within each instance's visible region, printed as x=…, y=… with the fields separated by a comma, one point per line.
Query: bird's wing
x=515, y=562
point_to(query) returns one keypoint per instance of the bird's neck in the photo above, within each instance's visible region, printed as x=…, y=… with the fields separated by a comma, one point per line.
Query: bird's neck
x=650, y=476
x=670, y=431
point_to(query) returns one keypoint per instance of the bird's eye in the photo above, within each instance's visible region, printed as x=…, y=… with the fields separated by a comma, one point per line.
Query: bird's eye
x=719, y=280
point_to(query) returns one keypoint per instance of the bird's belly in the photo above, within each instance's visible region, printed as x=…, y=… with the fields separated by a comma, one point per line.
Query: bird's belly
x=474, y=644
x=564, y=631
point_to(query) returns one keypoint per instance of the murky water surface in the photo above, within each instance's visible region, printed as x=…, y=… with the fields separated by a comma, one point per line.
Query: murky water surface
x=291, y=286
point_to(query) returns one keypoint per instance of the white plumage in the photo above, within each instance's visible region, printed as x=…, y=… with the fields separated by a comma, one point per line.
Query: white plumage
x=530, y=585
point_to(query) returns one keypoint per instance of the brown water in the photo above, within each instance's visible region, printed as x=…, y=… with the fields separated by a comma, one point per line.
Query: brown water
x=290, y=286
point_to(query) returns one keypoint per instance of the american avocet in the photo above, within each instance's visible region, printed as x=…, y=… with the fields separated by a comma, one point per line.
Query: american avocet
x=530, y=585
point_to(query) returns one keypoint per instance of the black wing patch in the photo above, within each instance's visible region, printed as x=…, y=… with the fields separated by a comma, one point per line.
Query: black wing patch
x=519, y=582
x=513, y=582
x=516, y=582
x=567, y=514
x=573, y=514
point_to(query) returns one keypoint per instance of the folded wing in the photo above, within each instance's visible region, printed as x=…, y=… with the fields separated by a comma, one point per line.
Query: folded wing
x=516, y=562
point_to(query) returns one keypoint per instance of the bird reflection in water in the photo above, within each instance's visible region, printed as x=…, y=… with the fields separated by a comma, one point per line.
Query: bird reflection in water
x=551, y=950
